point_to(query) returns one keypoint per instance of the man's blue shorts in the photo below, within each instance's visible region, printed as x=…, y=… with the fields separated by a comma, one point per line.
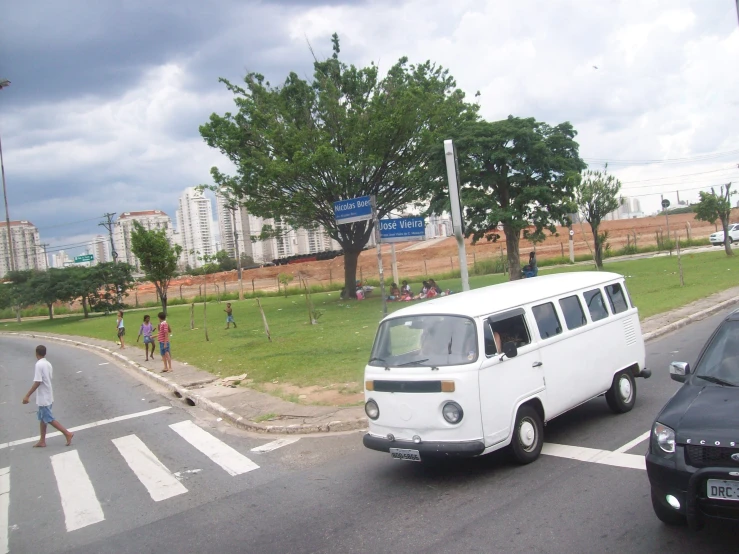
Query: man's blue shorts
x=163, y=348
x=44, y=414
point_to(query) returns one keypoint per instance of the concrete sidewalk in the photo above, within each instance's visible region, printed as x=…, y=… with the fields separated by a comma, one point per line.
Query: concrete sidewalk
x=264, y=413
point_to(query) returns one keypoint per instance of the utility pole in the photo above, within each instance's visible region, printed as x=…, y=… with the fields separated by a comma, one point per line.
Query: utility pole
x=4, y=83
x=109, y=226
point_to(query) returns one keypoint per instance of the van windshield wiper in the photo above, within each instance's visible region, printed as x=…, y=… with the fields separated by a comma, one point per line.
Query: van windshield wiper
x=712, y=379
x=414, y=362
x=377, y=360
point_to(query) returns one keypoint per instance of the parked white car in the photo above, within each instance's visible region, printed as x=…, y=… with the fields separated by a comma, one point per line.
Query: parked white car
x=717, y=239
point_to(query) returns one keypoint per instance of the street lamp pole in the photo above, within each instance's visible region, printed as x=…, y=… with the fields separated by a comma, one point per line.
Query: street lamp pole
x=4, y=83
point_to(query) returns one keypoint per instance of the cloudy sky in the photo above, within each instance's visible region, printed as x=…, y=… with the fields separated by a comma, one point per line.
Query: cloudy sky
x=106, y=97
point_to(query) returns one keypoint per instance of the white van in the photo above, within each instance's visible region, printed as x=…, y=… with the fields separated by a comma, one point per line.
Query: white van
x=471, y=373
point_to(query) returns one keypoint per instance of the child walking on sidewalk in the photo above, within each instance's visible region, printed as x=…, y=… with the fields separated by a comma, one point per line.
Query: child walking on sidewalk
x=44, y=398
x=164, y=342
x=147, y=329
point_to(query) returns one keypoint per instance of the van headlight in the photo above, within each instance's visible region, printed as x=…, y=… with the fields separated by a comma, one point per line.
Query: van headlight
x=663, y=438
x=371, y=409
x=452, y=412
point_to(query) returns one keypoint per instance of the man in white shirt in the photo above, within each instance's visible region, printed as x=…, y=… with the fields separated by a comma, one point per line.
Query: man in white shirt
x=44, y=397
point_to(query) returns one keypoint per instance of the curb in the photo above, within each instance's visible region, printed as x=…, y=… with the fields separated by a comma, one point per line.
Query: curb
x=675, y=325
x=193, y=399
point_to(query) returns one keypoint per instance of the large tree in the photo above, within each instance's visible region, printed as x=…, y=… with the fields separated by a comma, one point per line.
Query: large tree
x=597, y=196
x=346, y=133
x=158, y=258
x=517, y=172
x=714, y=206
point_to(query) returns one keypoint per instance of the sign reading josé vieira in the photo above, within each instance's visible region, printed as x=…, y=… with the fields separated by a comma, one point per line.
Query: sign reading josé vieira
x=402, y=229
x=354, y=209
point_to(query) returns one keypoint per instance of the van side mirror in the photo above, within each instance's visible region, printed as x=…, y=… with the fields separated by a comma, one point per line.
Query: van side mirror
x=509, y=349
x=679, y=371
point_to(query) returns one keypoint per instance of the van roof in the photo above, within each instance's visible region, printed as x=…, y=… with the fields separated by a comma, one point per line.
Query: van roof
x=506, y=296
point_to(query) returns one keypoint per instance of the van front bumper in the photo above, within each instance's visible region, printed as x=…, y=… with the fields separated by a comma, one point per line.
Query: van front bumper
x=463, y=449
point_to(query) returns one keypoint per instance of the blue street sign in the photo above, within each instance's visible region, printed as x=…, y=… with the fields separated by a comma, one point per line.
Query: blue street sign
x=354, y=209
x=402, y=229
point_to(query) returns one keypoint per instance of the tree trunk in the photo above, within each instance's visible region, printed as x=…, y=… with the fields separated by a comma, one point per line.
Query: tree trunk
x=597, y=246
x=727, y=244
x=51, y=310
x=350, y=273
x=514, y=261
x=163, y=297
x=84, y=307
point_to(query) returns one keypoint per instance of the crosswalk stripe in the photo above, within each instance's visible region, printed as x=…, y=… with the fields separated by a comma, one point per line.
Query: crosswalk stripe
x=274, y=445
x=86, y=426
x=4, y=507
x=80, y=505
x=152, y=473
x=229, y=459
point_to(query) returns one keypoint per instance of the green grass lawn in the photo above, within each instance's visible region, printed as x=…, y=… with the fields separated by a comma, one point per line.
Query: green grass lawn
x=336, y=349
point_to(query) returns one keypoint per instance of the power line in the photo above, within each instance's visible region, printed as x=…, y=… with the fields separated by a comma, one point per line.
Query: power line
x=70, y=223
x=679, y=176
x=109, y=226
x=697, y=158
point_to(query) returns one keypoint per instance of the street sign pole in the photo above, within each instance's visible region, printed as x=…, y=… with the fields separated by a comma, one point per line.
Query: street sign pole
x=376, y=220
x=665, y=205
x=394, y=264
x=572, y=246
x=457, y=224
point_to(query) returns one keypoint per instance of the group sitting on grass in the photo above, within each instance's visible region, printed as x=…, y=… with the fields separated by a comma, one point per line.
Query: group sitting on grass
x=404, y=294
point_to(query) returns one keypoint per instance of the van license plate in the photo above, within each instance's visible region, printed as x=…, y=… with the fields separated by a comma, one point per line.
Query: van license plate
x=405, y=454
x=724, y=490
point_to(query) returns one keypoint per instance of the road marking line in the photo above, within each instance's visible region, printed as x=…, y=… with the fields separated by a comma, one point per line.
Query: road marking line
x=274, y=445
x=229, y=459
x=595, y=456
x=638, y=440
x=4, y=508
x=81, y=506
x=152, y=473
x=87, y=426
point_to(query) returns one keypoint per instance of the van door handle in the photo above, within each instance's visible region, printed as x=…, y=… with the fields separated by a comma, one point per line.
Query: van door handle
x=537, y=364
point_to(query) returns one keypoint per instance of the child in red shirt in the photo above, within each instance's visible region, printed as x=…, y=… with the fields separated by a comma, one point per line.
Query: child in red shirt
x=164, y=342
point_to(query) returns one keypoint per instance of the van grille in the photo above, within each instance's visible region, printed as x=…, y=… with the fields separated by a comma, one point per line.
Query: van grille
x=629, y=331
x=710, y=456
x=407, y=386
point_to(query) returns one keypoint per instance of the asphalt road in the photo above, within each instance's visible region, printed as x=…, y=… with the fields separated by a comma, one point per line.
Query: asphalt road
x=329, y=494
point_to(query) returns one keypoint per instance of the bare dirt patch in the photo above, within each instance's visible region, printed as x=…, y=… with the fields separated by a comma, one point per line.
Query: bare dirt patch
x=339, y=394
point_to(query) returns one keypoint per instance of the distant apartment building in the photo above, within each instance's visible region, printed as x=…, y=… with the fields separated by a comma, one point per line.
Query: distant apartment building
x=27, y=251
x=60, y=259
x=195, y=227
x=230, y=220
x=100, y=249
x=150, y=220
x=438, y=226
x=629, y=208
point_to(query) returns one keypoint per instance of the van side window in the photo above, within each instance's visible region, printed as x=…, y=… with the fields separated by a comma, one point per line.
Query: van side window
x=617, y=298
x=596, y=305
x=507, y=329
x=547, y=320
x=572, y=310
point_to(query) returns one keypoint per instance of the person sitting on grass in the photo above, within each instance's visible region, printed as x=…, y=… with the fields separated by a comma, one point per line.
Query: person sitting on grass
x=146, y=330
x=394, y=292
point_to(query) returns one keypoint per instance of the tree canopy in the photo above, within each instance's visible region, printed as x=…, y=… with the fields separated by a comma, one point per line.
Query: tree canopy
x=712, y=207
x=597, y=196
x=517, y=172
x=347, y=133
x=158, y=258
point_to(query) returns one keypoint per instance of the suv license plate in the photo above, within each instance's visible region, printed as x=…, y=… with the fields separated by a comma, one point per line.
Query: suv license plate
x=406, y=454
x=724, y=490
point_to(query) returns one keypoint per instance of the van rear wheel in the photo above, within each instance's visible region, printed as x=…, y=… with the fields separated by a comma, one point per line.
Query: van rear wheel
x=621, y=397
x=528, y=435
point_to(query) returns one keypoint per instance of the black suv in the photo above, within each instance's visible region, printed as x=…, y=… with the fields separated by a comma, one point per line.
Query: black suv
x=693, y=458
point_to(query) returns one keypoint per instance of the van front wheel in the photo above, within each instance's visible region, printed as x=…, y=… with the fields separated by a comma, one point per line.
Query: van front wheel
x=528, y=435
x=621, y=397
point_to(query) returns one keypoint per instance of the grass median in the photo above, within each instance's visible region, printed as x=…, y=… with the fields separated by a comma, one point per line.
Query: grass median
x=333, y=352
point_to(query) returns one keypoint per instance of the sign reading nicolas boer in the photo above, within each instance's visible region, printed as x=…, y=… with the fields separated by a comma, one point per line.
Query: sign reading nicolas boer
x=402, y=229
x=354, y=209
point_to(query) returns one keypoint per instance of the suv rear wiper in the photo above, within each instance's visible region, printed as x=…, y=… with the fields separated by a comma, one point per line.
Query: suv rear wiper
x=414, y=362
x=712, y=379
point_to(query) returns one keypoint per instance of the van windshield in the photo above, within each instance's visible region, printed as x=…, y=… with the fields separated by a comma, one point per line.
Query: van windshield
x=425, y=340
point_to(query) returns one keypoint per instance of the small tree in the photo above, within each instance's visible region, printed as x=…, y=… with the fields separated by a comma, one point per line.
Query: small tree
x=714, y=206
x=157, y=256
x=596, y=197
x=110, y=282
x=285, y=279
